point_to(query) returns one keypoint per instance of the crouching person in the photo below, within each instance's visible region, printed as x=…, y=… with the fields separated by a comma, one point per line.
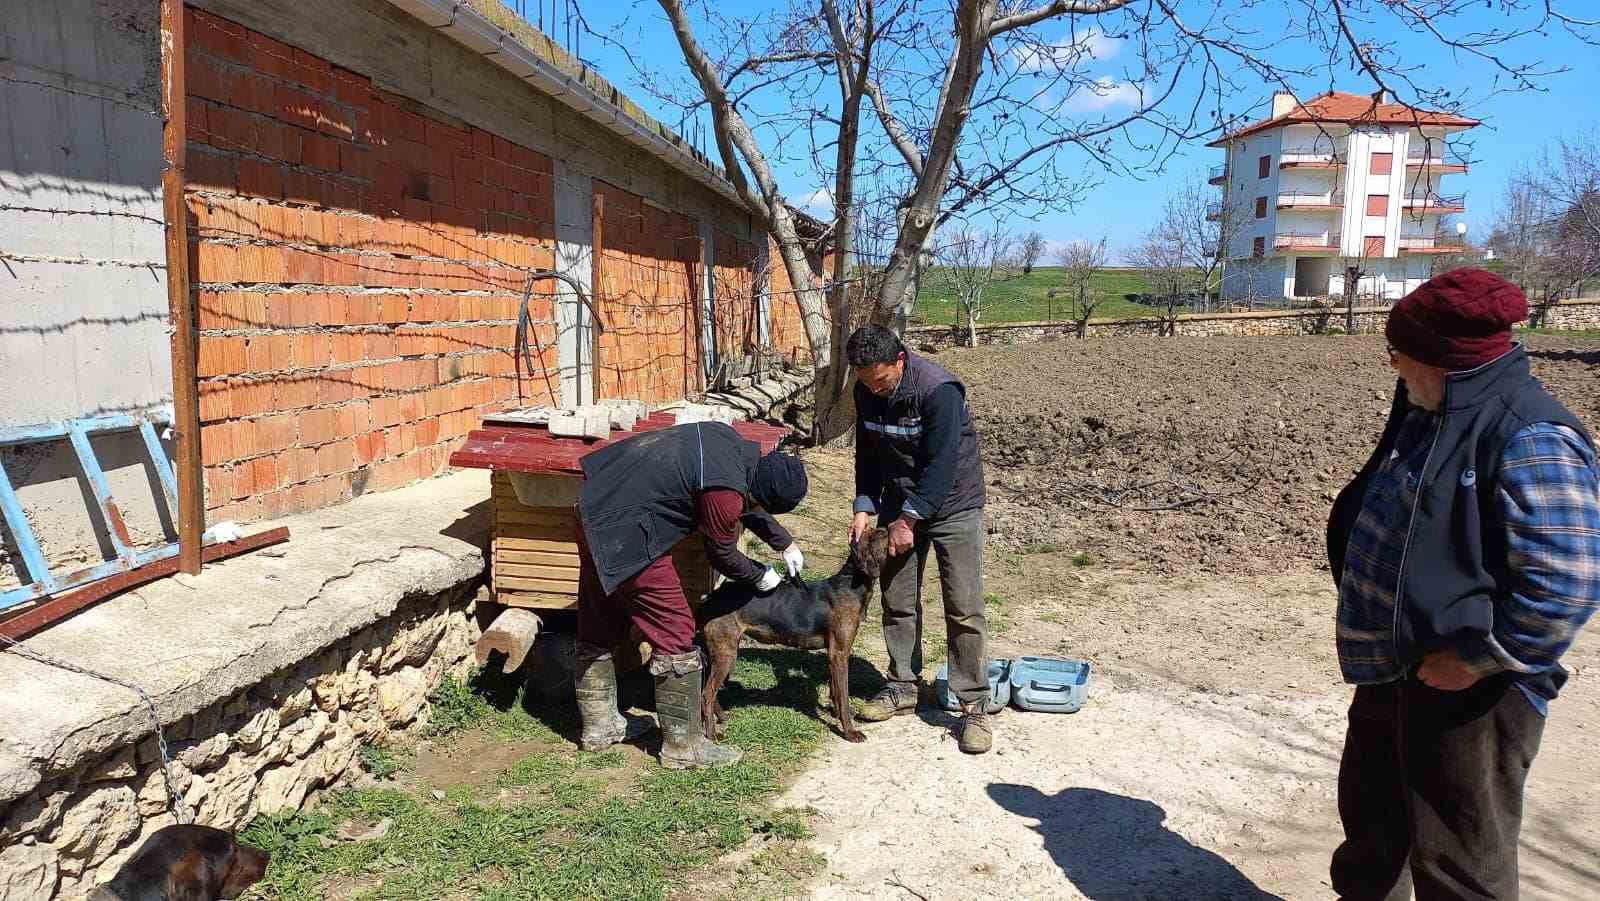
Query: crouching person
x=639, y=498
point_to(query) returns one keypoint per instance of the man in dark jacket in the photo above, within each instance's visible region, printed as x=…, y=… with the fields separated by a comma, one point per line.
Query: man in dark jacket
x=918, y=470
x=640, y=497
x=1467, y=555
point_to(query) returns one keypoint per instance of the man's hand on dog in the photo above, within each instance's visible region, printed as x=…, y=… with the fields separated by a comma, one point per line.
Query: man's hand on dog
x=858, y=526
x=793, y=560
x=769, y=581
x=901, y=538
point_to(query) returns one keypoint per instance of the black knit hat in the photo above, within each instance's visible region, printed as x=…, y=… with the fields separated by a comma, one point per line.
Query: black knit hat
x=780, y=482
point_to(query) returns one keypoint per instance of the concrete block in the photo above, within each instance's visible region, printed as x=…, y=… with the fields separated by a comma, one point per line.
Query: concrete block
x=703, y=413
x=624, y=413
x=580, y=424
x=512, y=633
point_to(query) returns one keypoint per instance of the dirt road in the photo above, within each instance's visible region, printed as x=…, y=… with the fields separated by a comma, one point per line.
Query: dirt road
x=1204, y=765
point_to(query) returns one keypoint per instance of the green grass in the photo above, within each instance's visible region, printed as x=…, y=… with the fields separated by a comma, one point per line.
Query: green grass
x=1082, y=558
x=1580, y=334
x=565, y=824
x=1023, y=299
x=381, y=760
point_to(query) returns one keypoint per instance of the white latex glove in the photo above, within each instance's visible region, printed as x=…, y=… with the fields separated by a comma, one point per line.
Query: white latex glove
x=794, y=560
x=769, y=580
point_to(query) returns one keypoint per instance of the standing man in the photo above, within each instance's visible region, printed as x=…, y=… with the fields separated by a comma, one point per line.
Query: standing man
x=918, y=470
x=1467, y=555
x=640, y=497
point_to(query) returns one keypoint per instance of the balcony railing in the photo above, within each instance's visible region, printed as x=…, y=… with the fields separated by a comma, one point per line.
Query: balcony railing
x=1218, y=174
x=1214, y=210
x=1433, y=243
x=1327, y=199
x=1317, y=159
x=1435, y=157
x=1444, y=202
x=1306, y=241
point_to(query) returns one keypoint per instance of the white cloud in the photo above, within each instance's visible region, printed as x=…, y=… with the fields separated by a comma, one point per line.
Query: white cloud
x=1091, y=43
x=1103, y=93
x=820, y=200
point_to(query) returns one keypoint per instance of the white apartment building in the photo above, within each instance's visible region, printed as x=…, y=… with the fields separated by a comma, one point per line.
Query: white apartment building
x=1338, y=181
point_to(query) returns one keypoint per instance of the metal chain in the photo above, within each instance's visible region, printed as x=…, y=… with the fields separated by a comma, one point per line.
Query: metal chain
x=174, y=800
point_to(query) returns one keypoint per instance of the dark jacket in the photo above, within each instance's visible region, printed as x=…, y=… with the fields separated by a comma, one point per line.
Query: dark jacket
x=638, y=497
x=1454, y=563
x=916, y=450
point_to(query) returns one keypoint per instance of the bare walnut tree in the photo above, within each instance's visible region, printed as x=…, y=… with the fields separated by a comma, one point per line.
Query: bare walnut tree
x=970, y=262
x=1080, y=260
x=1030, y=250
x=976, y=106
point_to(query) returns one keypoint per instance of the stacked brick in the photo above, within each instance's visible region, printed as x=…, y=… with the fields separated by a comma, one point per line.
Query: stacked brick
x=358, y=263
x=733, y=277
x=786, y=329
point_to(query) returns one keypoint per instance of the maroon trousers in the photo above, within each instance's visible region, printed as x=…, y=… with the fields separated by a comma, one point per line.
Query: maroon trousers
x=653, y=600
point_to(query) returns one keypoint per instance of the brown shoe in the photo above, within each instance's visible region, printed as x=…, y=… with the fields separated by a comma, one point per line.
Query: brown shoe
x=895, y=699
x=977, y=733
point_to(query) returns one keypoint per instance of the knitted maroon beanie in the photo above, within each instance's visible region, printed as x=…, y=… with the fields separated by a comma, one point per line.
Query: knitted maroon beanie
x=1459, y=320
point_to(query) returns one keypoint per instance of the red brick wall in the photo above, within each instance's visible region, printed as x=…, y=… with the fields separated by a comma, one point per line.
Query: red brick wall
x=357, y=265
x=649, y=267
x=358, y=260
x=733, y=279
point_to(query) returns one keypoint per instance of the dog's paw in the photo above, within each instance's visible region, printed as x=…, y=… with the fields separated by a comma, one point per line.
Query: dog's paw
x=855, y=737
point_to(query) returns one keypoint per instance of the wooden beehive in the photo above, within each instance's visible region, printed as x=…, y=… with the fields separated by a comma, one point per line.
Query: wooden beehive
x=535, y=553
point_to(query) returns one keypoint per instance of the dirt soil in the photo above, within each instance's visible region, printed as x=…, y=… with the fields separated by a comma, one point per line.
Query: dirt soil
x=1245, y=439
x=1204, y=764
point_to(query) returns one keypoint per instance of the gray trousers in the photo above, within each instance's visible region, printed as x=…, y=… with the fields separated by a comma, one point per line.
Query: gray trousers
x=957, y=542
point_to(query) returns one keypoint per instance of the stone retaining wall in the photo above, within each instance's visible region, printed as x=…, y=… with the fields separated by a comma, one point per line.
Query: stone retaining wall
x=270, y=748
x=1567, y=314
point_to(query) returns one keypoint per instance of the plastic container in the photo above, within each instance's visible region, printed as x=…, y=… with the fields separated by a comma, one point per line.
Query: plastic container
x=999, y=687
x=1049, y=684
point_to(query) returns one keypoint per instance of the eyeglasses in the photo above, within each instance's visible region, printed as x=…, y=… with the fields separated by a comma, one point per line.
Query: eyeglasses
x=1390, y=349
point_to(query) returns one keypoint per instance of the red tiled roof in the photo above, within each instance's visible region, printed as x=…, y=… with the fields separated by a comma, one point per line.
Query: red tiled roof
x=1338, y=106
x=530, y=448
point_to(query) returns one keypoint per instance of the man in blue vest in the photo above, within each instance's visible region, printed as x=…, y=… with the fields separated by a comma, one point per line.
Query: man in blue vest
x=1467, y=556
x=640, y=497
x=918, y=471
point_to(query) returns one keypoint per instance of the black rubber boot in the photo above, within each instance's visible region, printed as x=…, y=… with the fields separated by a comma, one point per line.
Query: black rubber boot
x=595, y=683
x=683, y=741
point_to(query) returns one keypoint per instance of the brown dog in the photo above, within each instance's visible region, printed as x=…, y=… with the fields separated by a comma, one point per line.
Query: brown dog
x=186, y=863
x=797, y=614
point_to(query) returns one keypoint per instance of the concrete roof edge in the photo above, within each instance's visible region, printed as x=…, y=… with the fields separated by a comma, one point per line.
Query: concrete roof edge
x=499, y=35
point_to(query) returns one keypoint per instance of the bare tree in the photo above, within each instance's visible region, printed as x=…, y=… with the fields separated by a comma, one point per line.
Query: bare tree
x=1080, y=260
x=1030, y=250
x=1547, y=230
x=970, y=262
x=986, y=104
x=1165, y=265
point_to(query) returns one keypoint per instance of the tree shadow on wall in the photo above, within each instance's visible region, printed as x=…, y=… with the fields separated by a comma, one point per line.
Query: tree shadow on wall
x=1115, y=848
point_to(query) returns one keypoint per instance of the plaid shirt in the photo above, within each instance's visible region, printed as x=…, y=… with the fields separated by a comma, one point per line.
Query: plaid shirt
x=1549, y=496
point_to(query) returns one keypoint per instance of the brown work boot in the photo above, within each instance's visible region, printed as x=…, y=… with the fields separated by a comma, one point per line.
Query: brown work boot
x=684, y=745
x=977, y=733
x=895, y=698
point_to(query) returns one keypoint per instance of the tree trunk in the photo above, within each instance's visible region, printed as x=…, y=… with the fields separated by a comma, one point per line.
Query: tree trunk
x=1352, y=278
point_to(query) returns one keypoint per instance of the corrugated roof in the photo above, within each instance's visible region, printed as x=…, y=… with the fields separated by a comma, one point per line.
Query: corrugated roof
x=1338, y=106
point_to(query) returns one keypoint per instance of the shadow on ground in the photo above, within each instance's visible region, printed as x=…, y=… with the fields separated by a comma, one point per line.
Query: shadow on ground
x=1113, y=847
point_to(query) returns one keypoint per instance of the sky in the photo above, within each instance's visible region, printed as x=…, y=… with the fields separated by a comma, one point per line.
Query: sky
x=1121, y=207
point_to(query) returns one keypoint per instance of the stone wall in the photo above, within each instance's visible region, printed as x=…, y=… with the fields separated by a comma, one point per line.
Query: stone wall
x=1567, y=314
x=269, y=748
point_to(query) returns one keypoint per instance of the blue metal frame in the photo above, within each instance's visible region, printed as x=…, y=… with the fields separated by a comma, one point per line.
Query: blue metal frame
x=77, y=431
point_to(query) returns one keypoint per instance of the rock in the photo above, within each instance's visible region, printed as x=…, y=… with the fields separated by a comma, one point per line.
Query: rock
x=294, y=705
x=438, y=795
x=119, y=766
x=350, y=832
x=36, y=814
x=325, y=691
x=304, y=735
x=285, y=787
x=401, y=696
x=258, y=731
x=231, y=793
x=202, y=756
x=97, y=822
x=28, y=872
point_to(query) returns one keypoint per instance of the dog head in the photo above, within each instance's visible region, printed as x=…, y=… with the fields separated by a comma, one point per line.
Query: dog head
x=871, y=551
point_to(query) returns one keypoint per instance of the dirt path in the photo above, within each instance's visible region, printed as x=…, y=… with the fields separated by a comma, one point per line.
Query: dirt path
x=1204, y=765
